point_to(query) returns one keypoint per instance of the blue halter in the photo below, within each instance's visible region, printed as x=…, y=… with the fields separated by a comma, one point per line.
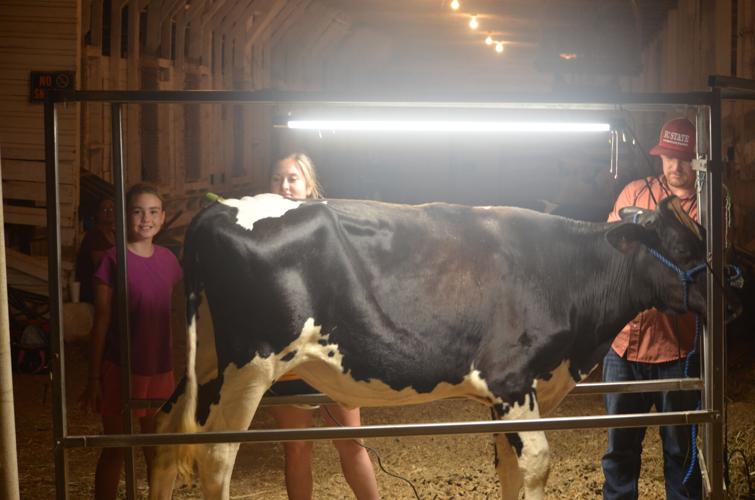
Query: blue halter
x=685, y=276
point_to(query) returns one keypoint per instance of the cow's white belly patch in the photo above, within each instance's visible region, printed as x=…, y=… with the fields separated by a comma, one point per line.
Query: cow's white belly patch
x=263, y=206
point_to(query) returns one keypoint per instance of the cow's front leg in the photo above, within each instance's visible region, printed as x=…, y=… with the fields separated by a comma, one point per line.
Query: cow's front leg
x=170, y=459
x=507, y=467
x=534, y=461
x=215, y=467
x=530, y=449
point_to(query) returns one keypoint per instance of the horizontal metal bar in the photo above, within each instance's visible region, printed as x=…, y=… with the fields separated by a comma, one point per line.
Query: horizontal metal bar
x=731, y=82
x=671, y=384
x=737, y=94
x=591, y=100
x=375, y=431
x=582, y=389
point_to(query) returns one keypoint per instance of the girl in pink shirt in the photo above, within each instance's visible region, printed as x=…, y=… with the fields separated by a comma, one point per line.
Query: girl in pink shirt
x=153, y=271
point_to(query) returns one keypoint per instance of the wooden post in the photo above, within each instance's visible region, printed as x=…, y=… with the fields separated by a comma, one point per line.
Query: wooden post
x=133, y=112
x=8, y=459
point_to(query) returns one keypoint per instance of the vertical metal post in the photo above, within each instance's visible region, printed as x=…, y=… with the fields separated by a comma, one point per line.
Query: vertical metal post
x=714, y=366
x=60, y=420
x=8, y=457
x=121, y=292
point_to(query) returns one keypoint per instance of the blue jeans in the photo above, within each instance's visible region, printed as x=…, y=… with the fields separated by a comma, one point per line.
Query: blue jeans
x=622, y=461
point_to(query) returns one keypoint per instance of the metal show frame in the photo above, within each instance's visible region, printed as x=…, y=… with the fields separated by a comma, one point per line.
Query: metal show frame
x=707, y=105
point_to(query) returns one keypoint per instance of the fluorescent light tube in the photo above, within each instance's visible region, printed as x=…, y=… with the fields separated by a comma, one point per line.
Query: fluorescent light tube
x=446, y=126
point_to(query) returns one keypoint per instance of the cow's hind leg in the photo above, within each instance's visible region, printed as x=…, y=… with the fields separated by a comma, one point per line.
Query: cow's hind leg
x=531, y=451
x=240, y=394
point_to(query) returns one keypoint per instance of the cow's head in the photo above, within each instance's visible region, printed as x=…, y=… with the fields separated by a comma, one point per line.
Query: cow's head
x=670, y=245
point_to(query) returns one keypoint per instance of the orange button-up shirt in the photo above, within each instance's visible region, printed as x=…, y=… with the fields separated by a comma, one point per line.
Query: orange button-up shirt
x=654, y=337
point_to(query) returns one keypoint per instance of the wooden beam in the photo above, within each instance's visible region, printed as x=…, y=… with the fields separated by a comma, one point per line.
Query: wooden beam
x=169, y=11
x=32, y=266
x=33, y=216
x=34, y=171
x=298, y=45
x=96, y=24
x=211, y=13
x=116, y=7
x=292, y=17
x=235, y=16
x=33, y=191
x=260, y=27
x=86, y=15
x=180, y=47
x=132, y=163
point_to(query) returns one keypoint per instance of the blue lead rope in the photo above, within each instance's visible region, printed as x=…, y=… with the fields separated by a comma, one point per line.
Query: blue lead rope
x=693, y=437
x=686, y=278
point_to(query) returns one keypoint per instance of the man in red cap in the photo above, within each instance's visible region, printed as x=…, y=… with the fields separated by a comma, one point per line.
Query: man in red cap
x=654, y=345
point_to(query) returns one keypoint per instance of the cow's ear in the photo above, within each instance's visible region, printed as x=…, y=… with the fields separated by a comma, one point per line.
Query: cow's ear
x=626, y=237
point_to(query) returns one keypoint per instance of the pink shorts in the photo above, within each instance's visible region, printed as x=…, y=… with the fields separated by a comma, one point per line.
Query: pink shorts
x=159, y=386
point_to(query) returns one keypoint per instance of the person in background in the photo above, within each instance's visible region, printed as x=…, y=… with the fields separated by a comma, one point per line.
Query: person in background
x=294, y=177
x=96, y=241
x=654, y=345
x=153, y=272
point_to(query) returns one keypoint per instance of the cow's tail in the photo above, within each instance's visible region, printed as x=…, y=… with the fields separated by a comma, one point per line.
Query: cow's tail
x=188, y=423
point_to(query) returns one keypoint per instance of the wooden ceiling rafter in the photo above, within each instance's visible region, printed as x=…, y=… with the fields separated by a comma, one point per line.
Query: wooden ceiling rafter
x=291, y=18
x=258, y=29
x=298, y=44
x=235, y=14
x=168, y=16
x=210, y=17
x=265, y=35
x=334, y=32
x=152, y=37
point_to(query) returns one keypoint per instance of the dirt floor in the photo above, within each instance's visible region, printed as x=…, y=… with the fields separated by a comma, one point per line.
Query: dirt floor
x=439, y=467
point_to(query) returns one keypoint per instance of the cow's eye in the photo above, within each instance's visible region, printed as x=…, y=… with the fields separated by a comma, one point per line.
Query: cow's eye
x=682, y=252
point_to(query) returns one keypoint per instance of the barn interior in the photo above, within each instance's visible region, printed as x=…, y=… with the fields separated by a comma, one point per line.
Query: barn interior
x=432, y=50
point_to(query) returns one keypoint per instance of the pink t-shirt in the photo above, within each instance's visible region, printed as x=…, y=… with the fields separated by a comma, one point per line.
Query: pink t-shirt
x=150, y=285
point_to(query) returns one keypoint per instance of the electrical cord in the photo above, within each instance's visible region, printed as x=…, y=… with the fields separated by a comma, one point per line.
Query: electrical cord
x=377, y=456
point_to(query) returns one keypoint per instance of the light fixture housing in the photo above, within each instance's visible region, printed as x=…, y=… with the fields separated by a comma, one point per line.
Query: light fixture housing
x=488, y=40
x=499, y=47
x=474, y=23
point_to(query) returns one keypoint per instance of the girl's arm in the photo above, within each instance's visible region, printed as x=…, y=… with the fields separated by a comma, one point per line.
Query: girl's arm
x=103, y=310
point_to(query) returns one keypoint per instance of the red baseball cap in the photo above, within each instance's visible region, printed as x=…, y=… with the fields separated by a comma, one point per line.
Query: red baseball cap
x=677, y=140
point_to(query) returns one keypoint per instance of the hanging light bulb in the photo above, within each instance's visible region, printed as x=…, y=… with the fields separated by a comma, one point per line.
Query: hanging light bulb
x=473, y=23
x=455, y=5
x=489, y=40
x=499, y=47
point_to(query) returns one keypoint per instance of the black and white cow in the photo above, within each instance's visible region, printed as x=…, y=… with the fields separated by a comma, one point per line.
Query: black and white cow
x=379, y=304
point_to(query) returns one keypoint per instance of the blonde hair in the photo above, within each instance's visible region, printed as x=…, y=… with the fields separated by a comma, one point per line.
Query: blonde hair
x=307, y=167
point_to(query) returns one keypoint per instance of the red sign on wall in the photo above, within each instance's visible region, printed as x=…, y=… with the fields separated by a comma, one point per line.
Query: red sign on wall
x=42, y=81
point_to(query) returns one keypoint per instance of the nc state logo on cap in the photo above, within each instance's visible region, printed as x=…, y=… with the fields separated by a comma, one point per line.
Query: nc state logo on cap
x=677, y=140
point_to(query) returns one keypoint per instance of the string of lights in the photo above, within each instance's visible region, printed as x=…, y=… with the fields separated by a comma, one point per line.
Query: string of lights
x=474, y=25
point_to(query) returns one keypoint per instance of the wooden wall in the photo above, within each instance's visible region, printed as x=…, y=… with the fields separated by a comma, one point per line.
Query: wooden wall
x=701, y=38
x=36, y=35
